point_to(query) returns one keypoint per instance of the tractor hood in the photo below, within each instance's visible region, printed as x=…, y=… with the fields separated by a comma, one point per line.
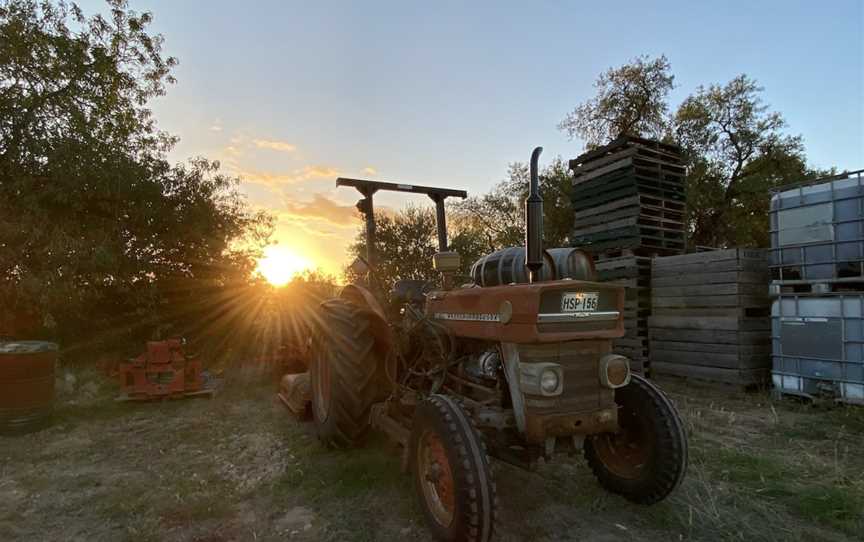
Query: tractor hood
x=552, y=311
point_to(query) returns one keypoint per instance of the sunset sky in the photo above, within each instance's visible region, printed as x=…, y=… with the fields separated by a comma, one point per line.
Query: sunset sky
x=289, y=95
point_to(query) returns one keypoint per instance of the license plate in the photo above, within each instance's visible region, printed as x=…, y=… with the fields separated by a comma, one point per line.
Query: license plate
x=579, y=301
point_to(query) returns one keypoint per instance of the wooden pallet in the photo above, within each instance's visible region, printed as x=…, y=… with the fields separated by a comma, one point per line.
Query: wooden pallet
x=594, y=199
x=627, y=180
x=648, y=242
x=641, y=222
x=608, y=152
x=619, y=252
x=636, y=165
x=637, y=204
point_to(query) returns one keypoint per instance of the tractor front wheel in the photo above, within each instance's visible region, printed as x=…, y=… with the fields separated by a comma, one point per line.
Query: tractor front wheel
x=647, y=458
x=345, y=374
x=451, y=470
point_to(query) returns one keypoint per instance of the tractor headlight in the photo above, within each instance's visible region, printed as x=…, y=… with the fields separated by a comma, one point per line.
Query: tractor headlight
x=614, y=371
x=549, y=381
x=546, y=379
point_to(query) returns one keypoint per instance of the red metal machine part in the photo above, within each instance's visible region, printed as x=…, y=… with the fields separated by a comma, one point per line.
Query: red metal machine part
x=164, y=371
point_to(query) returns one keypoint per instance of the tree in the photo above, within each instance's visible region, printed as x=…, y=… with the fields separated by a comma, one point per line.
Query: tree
x=99, y=235
x=736, y=152
x=404, y=245
x=495, y=220
x=631, y=99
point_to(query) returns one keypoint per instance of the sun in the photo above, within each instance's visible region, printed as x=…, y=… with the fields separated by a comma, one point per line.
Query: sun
x=280, y=264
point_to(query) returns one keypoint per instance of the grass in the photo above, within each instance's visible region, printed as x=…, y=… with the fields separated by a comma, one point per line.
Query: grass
x=237, y=467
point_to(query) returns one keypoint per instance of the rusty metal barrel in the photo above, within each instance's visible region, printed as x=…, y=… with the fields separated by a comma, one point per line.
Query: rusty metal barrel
x=507, y=266
x=26, y=385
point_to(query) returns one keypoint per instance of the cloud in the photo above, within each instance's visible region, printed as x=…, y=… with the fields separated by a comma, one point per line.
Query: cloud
x=370, y=170
x=277, y=180
x=280, y=146
x=321, y=208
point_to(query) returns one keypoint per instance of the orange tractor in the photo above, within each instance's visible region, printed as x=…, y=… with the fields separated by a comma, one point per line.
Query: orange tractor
x=516, y=364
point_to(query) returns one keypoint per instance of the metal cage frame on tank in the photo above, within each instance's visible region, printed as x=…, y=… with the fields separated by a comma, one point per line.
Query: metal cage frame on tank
x=823, y=241
x=818, y=346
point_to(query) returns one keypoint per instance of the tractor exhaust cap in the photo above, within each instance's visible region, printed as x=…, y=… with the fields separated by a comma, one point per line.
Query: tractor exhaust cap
x=534, y=223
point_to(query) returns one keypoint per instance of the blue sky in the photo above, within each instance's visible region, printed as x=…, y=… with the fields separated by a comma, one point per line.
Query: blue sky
x=290, y=94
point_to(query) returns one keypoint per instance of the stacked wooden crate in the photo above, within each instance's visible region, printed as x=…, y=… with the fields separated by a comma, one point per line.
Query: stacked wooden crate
x=710, y=316
x=628, y=202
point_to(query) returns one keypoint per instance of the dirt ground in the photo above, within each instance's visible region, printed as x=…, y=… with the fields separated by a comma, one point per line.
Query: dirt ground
x=238, y=468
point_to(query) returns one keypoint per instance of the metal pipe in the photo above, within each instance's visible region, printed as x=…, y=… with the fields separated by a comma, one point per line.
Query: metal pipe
x=441, y=222
x=534, y=222
x=367, y=207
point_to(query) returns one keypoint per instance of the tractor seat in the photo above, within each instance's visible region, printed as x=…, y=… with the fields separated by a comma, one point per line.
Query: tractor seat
x=410, y=291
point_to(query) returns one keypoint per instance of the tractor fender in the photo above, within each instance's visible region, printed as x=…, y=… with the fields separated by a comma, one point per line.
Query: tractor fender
x=364, y=299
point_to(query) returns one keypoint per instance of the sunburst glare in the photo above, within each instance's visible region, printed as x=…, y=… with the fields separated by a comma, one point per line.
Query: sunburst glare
x=280, y=264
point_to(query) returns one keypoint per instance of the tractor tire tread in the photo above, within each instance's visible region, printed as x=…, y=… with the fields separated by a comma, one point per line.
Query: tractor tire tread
x=354, y=370
x=669, y=466
x=477, y=501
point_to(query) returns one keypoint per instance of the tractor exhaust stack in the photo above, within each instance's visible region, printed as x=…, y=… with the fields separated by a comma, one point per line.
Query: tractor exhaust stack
x=534, y=223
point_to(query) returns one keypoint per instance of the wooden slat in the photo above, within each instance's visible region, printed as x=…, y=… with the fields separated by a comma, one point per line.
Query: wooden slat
x=753, y=266
x=599, y=172
x=710, y=278
x=707, y=323
x=711, y=256
x=710, y=336
x=711, y=290
x=710, y=301
x=730, y=312
x=711, y=359
x=718, y=348
x=740, y=377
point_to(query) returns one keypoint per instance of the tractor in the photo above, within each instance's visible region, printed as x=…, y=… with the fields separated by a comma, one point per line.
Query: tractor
x=516, y=364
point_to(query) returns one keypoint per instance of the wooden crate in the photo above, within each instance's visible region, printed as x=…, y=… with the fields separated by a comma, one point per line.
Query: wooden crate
x=710, y=316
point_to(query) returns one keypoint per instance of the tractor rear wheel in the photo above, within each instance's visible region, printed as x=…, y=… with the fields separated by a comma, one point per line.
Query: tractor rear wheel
x=647, y=458
x=452, y=474
x=345, y=374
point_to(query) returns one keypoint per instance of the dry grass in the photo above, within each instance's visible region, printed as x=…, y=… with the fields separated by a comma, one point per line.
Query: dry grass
x=237, y=468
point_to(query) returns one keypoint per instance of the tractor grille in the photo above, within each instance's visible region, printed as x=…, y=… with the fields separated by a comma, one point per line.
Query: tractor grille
x=580, y=363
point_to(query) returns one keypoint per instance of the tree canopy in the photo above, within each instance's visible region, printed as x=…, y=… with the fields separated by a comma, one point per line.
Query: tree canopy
x=630, y=99
x=97, y=229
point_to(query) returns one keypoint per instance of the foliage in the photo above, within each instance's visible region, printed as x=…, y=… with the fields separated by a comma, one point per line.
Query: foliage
x=404, y=245
x=736, y=153
x=99, y=235
x=495, y=220
x=630, y=99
